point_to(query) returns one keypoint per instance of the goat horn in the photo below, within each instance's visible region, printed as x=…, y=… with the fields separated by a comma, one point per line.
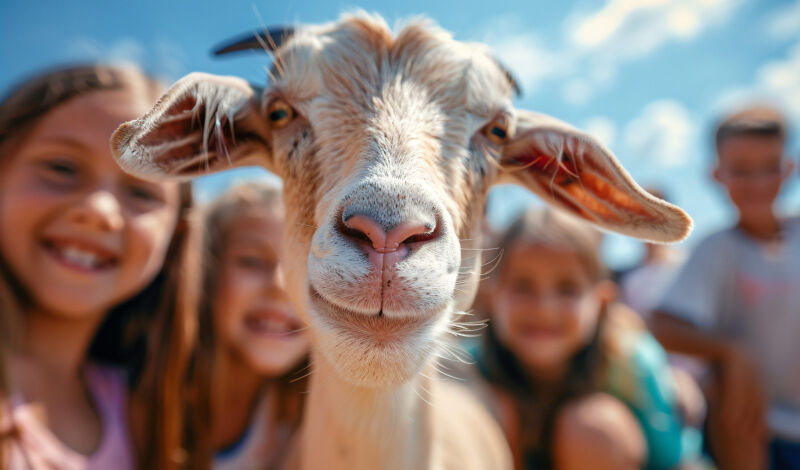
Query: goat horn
x=268, y=40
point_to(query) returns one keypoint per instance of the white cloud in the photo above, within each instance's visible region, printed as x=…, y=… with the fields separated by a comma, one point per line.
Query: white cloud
x=577, y=91
x=782, y=79
x=663, y=133
x=784, y=22
x=627, y=29
x=125, y=50
x=602, y=129
x=597, y=43
x=531, y=62
x=522, y=52
x=776, y=82
x=162, y=58
x=169, y=60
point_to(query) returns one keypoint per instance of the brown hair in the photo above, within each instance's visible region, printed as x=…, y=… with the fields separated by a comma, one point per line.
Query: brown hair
x=149, y=335
x=287, y=406
x=759, y=120
x=499, y=366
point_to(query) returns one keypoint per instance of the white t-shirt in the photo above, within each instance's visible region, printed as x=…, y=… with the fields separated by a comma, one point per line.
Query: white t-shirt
x=749, y=292
x=643, y=287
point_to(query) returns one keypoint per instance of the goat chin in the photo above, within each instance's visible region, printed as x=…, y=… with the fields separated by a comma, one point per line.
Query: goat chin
x=376, y=351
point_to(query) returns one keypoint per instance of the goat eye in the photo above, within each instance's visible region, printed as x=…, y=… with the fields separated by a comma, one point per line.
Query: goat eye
x=280, y=114
x=497, y=130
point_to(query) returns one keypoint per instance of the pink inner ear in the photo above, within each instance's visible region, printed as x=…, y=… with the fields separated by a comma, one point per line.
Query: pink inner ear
x=579, y=179
x=179, y=133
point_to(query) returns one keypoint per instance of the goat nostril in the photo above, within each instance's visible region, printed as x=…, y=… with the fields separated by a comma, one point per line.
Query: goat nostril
x=411, y=232
x=362, y=228
x=422, y=237
x=355, y=234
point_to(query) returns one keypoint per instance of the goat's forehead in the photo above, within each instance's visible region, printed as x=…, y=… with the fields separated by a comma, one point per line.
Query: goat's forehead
x=358, y=59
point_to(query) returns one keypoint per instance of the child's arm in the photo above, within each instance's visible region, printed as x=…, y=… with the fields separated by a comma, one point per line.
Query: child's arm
x=677, y=335
x=737, y=404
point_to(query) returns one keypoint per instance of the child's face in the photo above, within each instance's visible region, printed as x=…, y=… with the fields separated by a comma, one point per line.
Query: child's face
x=545, y=308
x=252, y=311
x=80, y=234
x=752, y=168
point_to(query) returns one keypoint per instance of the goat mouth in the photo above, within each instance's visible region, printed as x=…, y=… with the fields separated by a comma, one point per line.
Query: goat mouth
x=376, y=327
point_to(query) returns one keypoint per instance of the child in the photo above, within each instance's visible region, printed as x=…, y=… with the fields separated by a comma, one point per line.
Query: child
x=736, y=302
x=576, y=380
x=260, y=348
x=84, y=244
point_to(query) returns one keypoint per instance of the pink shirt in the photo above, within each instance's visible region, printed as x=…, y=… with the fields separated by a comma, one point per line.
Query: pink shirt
x=34, y=447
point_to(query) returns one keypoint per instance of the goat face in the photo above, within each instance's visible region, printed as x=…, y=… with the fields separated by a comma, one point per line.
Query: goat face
x=387, y=147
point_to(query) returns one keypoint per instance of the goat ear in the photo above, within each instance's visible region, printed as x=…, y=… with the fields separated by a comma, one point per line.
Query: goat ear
x=572, y=171
x=202, y=124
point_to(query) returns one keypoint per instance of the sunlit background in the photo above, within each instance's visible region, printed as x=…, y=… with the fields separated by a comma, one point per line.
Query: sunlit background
x=647, y=77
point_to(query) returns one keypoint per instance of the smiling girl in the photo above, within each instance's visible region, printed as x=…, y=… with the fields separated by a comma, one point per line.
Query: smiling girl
x=82, y=244
x=575, y=379
x=260, y=347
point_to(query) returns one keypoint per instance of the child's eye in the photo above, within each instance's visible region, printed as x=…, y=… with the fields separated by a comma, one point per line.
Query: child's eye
x=62, y=167
x=60, y=170
x=568, y=289
x=252, y=262
x=521, y=286
x=144, y=193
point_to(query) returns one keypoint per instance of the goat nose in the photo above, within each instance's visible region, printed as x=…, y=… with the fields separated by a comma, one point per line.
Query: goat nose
x=363, y=227
x=384, y=249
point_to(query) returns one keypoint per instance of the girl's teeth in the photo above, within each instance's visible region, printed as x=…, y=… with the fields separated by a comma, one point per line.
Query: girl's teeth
x=276, y=326
x=81, y=258
x=270, y=325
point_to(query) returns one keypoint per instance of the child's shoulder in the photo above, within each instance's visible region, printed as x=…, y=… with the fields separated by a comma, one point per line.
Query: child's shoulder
x=717, y=246
x=720, y=238
x=792, y=224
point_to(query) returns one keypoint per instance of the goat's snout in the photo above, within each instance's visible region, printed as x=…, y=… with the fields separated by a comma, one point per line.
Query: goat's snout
x=386, y=246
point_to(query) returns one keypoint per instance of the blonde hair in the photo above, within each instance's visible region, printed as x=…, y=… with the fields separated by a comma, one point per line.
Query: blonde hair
x=551, y=228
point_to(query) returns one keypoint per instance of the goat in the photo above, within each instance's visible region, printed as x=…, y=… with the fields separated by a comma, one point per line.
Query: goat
x=387, y=146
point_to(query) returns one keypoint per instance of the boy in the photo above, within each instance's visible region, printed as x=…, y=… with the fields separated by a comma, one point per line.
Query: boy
x=736, y=303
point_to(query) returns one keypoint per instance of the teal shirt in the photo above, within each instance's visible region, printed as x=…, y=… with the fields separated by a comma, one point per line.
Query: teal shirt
x=643, y=381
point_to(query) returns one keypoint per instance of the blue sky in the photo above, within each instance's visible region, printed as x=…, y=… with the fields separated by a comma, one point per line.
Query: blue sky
x=647, y=77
